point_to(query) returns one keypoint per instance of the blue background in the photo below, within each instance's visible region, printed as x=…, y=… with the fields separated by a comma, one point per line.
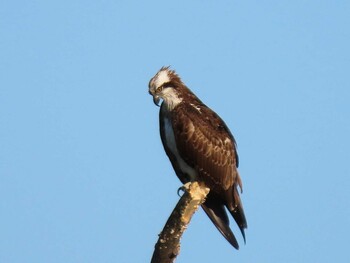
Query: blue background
x=83, y=175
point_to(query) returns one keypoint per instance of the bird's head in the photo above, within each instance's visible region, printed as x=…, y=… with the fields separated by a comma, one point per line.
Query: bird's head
x=166, y=85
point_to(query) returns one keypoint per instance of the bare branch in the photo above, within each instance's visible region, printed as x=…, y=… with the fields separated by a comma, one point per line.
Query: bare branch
x=167, y=247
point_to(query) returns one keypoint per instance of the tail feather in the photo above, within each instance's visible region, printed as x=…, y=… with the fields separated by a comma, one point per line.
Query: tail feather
x=238, y=213
x=215, y=209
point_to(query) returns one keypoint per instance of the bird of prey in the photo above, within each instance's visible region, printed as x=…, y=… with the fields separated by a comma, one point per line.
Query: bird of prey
x=201, y=148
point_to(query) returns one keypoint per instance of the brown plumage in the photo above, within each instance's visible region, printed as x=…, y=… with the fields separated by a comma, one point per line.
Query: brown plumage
x=201, y=148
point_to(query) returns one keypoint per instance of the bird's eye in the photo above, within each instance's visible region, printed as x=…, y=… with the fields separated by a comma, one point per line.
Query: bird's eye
x=159, y=89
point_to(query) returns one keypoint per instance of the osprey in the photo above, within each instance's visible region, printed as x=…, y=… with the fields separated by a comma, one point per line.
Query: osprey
x=201, y=148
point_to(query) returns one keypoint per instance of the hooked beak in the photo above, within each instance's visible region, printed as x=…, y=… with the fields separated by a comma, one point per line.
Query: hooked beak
x=156, y=100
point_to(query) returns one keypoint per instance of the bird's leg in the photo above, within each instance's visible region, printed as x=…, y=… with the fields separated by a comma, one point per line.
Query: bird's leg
x=184, y=188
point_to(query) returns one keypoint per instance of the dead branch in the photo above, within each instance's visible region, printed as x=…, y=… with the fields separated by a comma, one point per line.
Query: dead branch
x=167, y=247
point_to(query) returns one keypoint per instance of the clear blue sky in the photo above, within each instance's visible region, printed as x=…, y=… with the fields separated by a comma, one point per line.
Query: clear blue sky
x=83, y=176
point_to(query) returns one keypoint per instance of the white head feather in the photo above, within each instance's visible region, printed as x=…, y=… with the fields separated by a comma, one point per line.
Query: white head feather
x=169, y=94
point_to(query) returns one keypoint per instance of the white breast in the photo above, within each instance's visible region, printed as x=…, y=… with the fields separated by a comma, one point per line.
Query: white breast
x=170, y=140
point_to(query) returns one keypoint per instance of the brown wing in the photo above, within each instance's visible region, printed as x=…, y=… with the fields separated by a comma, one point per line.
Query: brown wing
x=205, y=143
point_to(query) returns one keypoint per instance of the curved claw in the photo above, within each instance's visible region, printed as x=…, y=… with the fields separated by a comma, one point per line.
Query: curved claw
x=183, y=188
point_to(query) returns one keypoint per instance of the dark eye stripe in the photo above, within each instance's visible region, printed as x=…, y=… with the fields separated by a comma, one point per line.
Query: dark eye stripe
x=167, y=85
